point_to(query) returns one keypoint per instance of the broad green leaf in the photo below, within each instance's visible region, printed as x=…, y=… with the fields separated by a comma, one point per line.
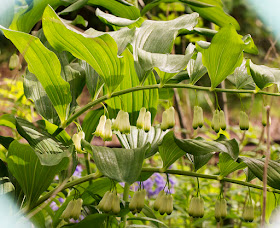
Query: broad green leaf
x=224, y=55
x=45, y=65
x=90, y=123
x=227, y=165
x=139, y=138
x=122, y=165
x=196, y=69
x=148, y=212
x=75, y=6
x=117, y=8
x=271, y=204
x=200, y=146
x=123, y=37
x=249, y=175
x=34, y=91
x=241, y=79
x=48, y=149
x=133, y=102
x=25, y=19
x=147, y=219
x=200, y=161
x=33, y=177
x=7, y=12
x=250, y=46
x=6, y=141
x=169, y=151
x=263, y=76
x=8, y=120
x=256, y=166
x=99, y=52
x=97, y=219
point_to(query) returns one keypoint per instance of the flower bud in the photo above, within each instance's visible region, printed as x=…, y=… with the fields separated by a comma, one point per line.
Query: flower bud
x=124, y=124
x=220, y=209
x=216, y=121
x=200, y=119
x=116, y=204
x=244, y=121
x=103, y=200
x=164, y=205
x=76, y=138
x=68, y=210
x=201, y=208
x=222, y=118
x=133, y=202
x=14, y=62
x=141, y=117
x=141, y=200
x=158, y=200
x=76, y=212
x=164, y=122
x=107, y=131
x=196, y=208
x=116, y=122
x=248, y=214
x=147, y=121
x=169, y=204
x=171, y=117
x=264, y=116
x=195, y=118
x=108, y=203
x=100, y=127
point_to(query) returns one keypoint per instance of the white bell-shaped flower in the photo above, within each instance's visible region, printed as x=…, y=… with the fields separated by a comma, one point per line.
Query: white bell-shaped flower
x=141, y=117
x=108, y=131
x=164, y=121
x=100, y=127
x=171, y=117
x=147, y=122
x=124, y=124
x=77, y=138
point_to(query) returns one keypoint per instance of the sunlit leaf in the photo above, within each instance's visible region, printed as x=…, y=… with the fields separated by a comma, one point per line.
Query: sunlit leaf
x=227, y=165
x=250, y=46
x=196, y=69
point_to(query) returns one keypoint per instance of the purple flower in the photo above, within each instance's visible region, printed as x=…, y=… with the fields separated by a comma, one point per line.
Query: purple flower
x=78, y=171
x=54, y=206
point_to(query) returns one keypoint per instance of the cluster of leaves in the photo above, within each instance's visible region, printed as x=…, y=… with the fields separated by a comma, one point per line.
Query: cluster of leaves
x=119, y=65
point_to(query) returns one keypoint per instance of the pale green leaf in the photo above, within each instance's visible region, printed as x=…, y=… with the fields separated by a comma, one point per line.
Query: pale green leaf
x=46, y=67
x=8, y=120
x=99, y=52
x=250, y=47
x=33, y=177
x=122, y=165
x=139, y=138
x=75, y=6
x=224, y=55
x=196, y=69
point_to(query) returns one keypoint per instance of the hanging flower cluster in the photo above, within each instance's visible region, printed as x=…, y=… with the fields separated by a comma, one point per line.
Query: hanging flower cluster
x=168, y=119
x=110, y=203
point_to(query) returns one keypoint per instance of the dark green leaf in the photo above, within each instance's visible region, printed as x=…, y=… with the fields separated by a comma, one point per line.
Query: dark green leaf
x=122, y=165
x=139, y=138
x=147, y=219
x=97, y=219
x=49, y=150
x=6, y=141
x=227, y=165
x=200, y=161
x=33, y=177
x=224, y=54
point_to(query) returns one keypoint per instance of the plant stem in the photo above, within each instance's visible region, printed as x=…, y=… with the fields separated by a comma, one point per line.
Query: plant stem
x=87, y=161
x=267, y=155
x=125, y=199
x=157, y=86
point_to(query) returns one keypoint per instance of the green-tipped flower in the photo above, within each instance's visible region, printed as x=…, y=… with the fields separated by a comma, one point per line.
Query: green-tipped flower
x=14, y=62
x=124, y=124
x=243, y=121
x=107, y=131
x=116, y=122
x=169, y=204
x=200, y=119
x=164, y=122
x=248, y=214
x=116, y=204
x=76, y=212
x=137, y=202
x=107, y=207
x=264, y=117
x=216, y=121
x=195, y=118
x=100, y=127
x=171, y=117
x=103, y=200
x=67, y=213
x=141, y=118
x=73, y=209
x=163, y=206
x=220, y=209
x=196, y=208
x=158, y=200
x=77, y=138
x=222, y=118
x=147, y=121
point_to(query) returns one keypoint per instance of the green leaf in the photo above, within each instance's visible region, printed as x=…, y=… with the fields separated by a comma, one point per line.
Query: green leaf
x=99, y=52
x=33, y=177
x=196, y=69
x=45, y=65
x=200, y=161
x=117, y=8
x=6, y=141
x=8, y=120
x=227, y=165
x=241, y=79
x=147, y=219
x=133, y=102
x=90, y=123
x=7, y=12
x=75, y=6
x=139, y=138
x=256, y=166
x=250, y=46
x=25, y=19
x=122, y=165
x=262, y=75
x=224, y=55
x=169, y=151
x=200, y=146
x=97, y=219
x=148, y=212
x=48, y=149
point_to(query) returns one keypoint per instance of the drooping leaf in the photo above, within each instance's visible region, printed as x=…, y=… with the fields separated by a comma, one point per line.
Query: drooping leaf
x=169, y=151
x=224, y=55
x=90, y=123
x=25, y=19
x=6, y=141
x=250, y=46
x=201, y=160
x=118, y=8
x=33, y=177
x=45, y=65
x=99, y=52
x=49, y=150
x=8, y=120
x=122, y=165
x=241, y=79
x=139, y=138
x=227, y=165
x=75, y=6
x=200, y=146
x=256, y=166
x=133, y=102
x=196, y=69
x=262, y=75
